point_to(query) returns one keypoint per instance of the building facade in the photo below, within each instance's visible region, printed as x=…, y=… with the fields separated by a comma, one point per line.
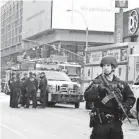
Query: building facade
x=47, y=22
x=11, y=28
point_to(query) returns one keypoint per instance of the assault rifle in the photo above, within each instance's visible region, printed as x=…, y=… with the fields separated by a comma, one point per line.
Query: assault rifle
x=111, y=90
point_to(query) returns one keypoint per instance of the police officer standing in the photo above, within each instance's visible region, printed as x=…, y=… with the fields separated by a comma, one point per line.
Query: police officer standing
x=16, y=90
x=43, y=88
x=107, y=114
x=23, y=91
x=10, y=82
x=31, y=85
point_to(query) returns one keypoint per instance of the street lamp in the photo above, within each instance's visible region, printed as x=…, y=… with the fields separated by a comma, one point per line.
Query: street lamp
x=85, y=25
x=86, y=46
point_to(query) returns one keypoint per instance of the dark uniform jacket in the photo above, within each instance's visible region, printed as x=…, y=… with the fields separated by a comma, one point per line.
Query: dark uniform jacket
x=23, y=81
x=31, y=84
x=14, y=84
x=43, y=83
x=96, y=93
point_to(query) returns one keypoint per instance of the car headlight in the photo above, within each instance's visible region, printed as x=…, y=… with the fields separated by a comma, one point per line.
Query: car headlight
x=52, y=88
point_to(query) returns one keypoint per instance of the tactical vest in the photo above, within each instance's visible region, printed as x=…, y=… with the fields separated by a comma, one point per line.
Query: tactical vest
x=106, y=101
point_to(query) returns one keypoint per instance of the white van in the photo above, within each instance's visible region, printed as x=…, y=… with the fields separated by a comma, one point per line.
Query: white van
x=135, y=88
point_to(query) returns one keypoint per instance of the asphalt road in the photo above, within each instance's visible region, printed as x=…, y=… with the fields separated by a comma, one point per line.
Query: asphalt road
x=59, y=122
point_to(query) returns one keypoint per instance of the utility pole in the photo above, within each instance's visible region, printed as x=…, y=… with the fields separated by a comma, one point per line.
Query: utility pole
x=121, y=4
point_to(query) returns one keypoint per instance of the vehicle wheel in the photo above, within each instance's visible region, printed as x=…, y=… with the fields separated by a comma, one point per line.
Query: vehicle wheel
x=77, y=105
x=88, y=105
x=51, y=103
x=138, y=113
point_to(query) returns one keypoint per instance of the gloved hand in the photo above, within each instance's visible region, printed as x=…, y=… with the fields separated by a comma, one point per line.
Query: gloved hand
x=101, y=87
x=91, y=93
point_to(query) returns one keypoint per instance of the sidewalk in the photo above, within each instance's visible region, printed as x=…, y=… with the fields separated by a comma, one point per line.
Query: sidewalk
x=2, y=94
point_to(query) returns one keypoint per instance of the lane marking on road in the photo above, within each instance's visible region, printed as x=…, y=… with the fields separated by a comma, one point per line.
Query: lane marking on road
x=14, y=131
x=64, y=116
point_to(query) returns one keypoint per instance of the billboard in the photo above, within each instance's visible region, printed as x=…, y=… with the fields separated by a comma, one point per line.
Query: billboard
x=95, y=57
x=97, y=15
x=36, y=17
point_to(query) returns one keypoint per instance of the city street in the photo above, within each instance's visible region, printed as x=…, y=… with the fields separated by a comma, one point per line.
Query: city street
x=59, y=122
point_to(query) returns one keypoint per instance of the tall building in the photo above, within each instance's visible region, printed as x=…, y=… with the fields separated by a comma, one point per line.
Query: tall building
x=47, y=22
x=11, y=28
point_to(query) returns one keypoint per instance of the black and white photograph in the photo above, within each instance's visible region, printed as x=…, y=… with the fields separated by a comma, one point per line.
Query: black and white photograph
x=69, y=69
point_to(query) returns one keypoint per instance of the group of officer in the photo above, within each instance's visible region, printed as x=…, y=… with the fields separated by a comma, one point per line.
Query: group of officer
x=22, y=90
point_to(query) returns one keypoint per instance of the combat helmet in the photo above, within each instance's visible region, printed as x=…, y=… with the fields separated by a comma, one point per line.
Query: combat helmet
x=109, y=60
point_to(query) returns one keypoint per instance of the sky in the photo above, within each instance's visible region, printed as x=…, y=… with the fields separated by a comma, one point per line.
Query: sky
x=132, y=3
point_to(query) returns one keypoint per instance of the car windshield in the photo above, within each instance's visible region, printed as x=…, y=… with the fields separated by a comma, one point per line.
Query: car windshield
x=56, y=76
x=137, y=81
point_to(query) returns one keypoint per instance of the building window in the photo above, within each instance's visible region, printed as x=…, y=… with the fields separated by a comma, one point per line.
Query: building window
x=2, y=38
x=12, y=41
x=2, y=31
x=6, y=44
x=2, y=17
x=20, y=20
x=10, y=11
x=19, y=38
x=10, y=34
x=21, y=11
x=17, y=6
x=15, y=31
x=8, y=27
x=14, y=9
x=20, y=29
x=16, y=39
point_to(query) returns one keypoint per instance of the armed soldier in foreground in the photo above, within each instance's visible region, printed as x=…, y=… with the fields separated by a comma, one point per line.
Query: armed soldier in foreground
x=112, y=100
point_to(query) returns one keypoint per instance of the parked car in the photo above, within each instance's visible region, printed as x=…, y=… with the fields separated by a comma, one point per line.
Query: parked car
x=135, y=109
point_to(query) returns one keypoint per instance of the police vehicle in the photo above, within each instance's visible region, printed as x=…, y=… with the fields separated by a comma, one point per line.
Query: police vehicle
x=61, y=89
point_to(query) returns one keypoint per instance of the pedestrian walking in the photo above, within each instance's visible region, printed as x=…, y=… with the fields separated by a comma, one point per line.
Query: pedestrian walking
x=112, y=100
